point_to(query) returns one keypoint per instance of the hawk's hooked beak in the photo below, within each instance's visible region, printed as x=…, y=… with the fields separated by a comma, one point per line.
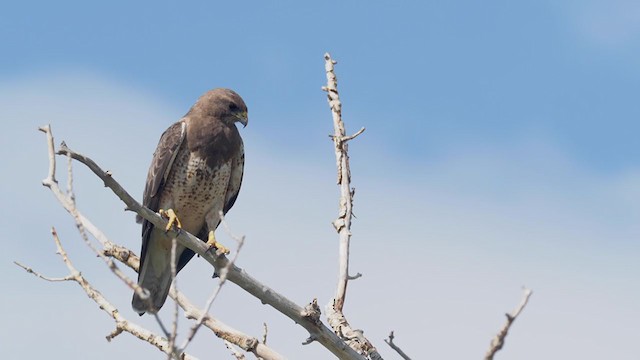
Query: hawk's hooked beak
x=243, y=118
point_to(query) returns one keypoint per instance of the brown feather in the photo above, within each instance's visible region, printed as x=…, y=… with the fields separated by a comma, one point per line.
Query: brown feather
x=196, y=170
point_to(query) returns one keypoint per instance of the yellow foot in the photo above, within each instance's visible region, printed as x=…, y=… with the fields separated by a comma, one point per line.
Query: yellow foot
x=213, y=244
x=173, y=219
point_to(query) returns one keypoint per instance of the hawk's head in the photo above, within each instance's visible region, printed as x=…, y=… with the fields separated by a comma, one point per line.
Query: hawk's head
x=223, y=104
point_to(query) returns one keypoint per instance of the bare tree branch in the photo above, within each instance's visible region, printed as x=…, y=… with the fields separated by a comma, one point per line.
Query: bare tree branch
x=335, y=316
x=122, y=324
x=191, y=311
x=498, y=341
x=222, y=279
x=265, y=333
x=129, y=258
x=235, y=274
x=37, y=274
x=343, y=223
x=176, y=308
x=68, y=202
x=390, y=342
x=236, y=354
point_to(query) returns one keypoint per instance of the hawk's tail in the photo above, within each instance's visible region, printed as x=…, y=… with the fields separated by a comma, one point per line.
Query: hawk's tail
x=155, y=277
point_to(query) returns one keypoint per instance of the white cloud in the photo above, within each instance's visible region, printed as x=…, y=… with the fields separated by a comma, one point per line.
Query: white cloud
x=612, y=24
x=444, y=245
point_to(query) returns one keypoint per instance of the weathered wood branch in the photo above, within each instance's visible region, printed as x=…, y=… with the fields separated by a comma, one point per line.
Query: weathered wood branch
x=220, y=329
x=395, y=347
x=176, y=307
x=498, y=341
x=129, y=258
x=334, y=310
x=122, y=324
x=222, y=276
x=67, y=199
x=317, y=330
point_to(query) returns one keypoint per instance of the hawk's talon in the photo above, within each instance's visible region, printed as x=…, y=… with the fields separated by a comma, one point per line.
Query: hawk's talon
x=173, y=219
x=213, y=244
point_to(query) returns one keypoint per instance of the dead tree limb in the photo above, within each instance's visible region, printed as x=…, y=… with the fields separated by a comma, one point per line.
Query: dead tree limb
x=342, y=224
x=129, y=258
x=220, y=329
x=222, y=275
x=68, y=200
x=395, y=347
x=498, y=341
x=122, y=324
x=317, y=330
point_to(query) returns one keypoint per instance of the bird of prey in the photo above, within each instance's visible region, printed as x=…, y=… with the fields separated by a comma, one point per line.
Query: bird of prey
x=196, y=172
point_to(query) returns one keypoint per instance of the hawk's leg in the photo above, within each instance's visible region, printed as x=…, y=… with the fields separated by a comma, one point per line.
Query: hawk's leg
x=214, y=244
x=172, y=217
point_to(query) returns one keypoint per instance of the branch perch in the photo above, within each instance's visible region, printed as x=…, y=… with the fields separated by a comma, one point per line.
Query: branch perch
x=220, y=329
x=235, y=274
x=129, y=258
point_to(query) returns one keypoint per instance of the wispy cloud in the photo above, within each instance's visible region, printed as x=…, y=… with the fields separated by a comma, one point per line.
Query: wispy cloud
x=613, y=24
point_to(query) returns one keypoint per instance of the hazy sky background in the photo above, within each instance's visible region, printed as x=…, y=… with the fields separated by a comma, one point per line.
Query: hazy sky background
x=501, y=150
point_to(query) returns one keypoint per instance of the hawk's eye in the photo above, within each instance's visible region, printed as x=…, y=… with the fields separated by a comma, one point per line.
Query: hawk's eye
x=233, y=107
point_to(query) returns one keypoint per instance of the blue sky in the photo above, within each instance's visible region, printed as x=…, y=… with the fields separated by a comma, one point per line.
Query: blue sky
x=500, y=151
x=453, y=72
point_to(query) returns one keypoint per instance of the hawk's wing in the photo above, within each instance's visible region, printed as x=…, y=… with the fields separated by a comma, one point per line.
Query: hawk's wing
x=235, y=180
x=163, y=158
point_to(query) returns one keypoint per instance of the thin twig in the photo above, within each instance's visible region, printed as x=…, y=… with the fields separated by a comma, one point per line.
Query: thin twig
x=51, y=176
x=395, y=347
x=351, y=137
x=70, y=193
x=236, y=354
x=37, y=274
x=265, y=333
x=174, y=284
x=353, y=277
x=122, y=324
x=498, y=341
x=222, y=274
x=68, y=202
x=335, y=315
x=162, y=327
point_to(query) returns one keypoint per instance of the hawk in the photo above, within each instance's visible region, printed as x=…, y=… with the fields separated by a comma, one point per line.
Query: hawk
x=196, y=172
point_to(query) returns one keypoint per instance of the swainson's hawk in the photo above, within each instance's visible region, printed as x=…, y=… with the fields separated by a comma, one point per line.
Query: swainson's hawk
x=195, y=173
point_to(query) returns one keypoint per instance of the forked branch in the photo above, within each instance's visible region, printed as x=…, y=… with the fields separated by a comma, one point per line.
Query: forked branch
x=122, y=324
x=318, y=331
x=342, y=224
x=395, y=347
x=111, y=250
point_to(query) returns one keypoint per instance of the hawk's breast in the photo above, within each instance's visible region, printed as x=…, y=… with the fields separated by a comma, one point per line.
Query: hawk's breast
x=194, y=188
